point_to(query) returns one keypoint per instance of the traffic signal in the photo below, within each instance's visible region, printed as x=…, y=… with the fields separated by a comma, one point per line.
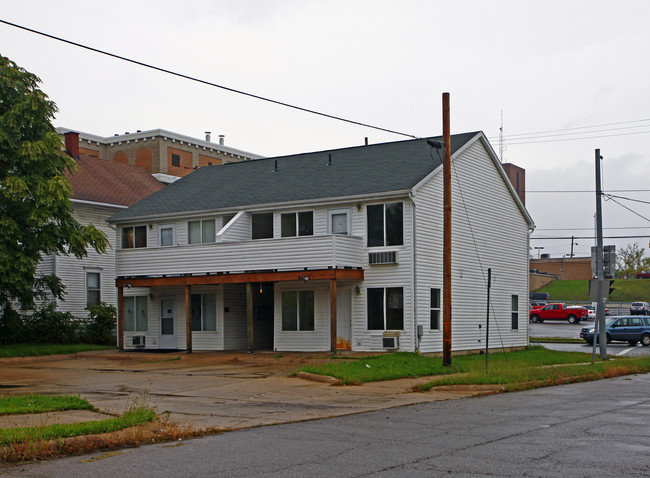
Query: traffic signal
x=611, y=289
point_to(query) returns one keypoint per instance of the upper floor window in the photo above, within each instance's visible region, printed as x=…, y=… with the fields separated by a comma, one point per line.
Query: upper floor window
x=201, y=232
x=204, y=312
x=176, y=160
x=136, y=314
x=297, y=224
x=385, y=224
x=262, y=225
x=93, y=288
x=298, y=310
x=386, y=308
x=435, y=310
x=166, y=235
x=134, y=236
x=338, y=222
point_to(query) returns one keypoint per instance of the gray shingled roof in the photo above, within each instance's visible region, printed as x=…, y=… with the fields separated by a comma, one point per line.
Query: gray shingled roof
x=354, y=171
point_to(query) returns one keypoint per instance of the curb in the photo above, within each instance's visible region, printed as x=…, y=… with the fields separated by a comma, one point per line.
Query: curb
x=313, y=377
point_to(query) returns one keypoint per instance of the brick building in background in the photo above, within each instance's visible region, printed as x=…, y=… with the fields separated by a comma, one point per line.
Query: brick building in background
x=164, y=154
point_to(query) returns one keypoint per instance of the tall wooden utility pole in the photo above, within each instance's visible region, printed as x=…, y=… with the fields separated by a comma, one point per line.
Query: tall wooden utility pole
x=446, y=242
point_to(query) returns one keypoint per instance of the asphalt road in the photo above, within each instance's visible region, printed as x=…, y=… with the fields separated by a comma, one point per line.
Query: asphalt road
x=578, y=430
x=559, y=328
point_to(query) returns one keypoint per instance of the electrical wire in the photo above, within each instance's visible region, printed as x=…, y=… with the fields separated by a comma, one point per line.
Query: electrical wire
x=576, y=139
x=626, y=199
x=574, y=128
x=629, y=209
x=191, y=78
x=592, y=191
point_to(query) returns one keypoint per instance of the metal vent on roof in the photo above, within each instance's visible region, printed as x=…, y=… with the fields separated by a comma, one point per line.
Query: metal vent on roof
x=387, y=257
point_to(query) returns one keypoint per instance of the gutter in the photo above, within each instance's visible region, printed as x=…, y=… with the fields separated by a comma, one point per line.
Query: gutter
x=414, y=279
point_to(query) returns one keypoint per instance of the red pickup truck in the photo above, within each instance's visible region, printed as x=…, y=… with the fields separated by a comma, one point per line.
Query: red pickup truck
x=558, y=312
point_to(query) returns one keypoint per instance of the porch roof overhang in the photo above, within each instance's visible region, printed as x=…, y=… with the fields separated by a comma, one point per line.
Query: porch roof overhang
x=241, y=277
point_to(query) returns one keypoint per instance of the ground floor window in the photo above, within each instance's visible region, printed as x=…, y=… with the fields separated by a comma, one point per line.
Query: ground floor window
x=434, y=323
x=515, y=311
x=298, y=310
x=93, y=288
x=136, y=314
x=204, y=312
x=385, y=308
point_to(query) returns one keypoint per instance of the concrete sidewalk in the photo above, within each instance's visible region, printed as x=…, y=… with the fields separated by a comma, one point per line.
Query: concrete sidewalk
x=202, y=390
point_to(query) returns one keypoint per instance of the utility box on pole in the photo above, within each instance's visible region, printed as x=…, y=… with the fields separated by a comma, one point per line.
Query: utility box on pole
x=609, y=262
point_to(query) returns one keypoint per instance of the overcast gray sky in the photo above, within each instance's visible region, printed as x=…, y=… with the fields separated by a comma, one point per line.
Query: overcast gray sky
x=562, y=66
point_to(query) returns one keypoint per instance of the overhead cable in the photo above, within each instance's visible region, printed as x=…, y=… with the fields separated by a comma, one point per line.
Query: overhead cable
x=209, y=83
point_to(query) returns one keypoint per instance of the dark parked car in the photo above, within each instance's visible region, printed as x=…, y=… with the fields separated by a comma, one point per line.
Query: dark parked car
x=625, y=329
x=640, y=308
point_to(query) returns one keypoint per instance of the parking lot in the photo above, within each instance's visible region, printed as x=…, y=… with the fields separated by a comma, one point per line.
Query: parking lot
x=562, y=329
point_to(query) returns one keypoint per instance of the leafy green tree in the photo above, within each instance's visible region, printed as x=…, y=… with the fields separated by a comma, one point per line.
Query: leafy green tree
x=630, y=260
x=35, y=207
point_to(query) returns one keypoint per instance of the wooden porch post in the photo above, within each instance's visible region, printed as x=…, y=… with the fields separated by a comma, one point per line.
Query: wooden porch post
x=188, y=318
x=333, y=315
x=249, y=316
x=120, y=318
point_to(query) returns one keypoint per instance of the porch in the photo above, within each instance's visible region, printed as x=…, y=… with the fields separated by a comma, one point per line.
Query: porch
x=332, y=277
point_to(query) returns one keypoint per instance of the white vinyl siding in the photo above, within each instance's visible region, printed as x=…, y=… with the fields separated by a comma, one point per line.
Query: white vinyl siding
x=500, y=234
x=73, y=271
x=389, y=275
x=288, y=253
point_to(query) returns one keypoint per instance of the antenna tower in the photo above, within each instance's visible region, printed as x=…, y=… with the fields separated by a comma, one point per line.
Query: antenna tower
x=501, y=145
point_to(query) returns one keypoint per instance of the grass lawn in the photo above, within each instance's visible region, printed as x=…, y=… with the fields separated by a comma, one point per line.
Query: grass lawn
x=534, y=366
x=22, y=404
x=137, y=416
x=625, y=290
x=28, y=350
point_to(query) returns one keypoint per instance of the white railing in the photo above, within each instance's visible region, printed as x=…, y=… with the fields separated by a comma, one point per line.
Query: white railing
x=287, y=253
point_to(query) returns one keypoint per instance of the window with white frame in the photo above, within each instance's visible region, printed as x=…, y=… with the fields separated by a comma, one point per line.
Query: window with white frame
x=385, y=224
x=93, y=288
x=338, y=221
x=204, y=312
x=201, y=232
x=298, y=310
x=136, y=315
x=434, y=323
x=262, y=225
x=166, y=234
x=297, y=224
x=385, y=308
x=134, y=236
x=515, y=311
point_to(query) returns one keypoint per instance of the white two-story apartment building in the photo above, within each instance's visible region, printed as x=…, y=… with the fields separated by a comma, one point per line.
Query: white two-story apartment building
x=330, y=250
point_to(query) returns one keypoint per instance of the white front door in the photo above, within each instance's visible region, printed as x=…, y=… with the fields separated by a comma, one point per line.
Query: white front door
x=168, y=338
x=344, y=320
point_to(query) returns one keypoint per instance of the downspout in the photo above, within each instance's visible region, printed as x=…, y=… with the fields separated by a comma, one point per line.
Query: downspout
x=414, y=279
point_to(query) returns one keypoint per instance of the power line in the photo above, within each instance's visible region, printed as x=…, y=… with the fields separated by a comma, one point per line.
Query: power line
x=568, y=238
x=588, y=228
x=191, y=78
x=575, y=128
x=576, y=139
x=610, y=196
x=592, y=191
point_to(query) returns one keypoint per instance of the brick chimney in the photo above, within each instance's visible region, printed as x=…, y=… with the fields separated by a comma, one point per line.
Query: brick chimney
x=72, y=143
x=517, y=177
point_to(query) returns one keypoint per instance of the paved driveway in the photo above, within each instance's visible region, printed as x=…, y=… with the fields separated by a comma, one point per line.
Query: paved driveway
x=206, y=390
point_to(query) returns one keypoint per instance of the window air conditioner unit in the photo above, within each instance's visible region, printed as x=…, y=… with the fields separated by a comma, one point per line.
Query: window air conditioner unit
x=390, y=342
x=138, y=340
x=387, y=257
